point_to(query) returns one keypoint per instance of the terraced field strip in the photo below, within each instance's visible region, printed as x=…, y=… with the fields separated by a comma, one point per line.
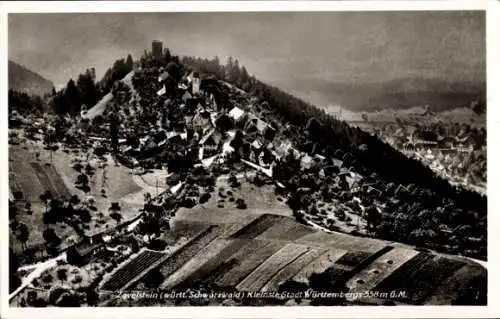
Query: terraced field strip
x=246, y=261
x=43, y=176
x=228, y=229
x=24, y=175
x=181, y=256
x=426, y=279
x=343, y=241
x=248, y=246
x=319, y=265
x=258, y=226
x=262, y=274
x=292, y=269
x=287, y=229
x=448, y=290
x=57, y=181
x=195, y=264
x=129, y=271
x=400, y=278
x=353, y=258
x=381, y=268
x=14, y=185
x=214, y=263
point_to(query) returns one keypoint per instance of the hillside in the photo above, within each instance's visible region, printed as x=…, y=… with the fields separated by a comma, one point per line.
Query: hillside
x=22, y=79
x=233, y=153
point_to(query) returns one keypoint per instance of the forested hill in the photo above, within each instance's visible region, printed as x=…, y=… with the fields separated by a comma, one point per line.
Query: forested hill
x=21, y=79
x=313, y=130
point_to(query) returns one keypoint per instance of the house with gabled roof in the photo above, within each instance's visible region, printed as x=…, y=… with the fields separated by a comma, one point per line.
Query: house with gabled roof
x=256, y=144
x=193, y=104
x=186, y=96
x=211, y=140
x=236, y=113
x=201, y=121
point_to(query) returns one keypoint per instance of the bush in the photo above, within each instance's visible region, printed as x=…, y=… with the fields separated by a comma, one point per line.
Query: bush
x=204, y=198
x=47, y=278
x=240, y=203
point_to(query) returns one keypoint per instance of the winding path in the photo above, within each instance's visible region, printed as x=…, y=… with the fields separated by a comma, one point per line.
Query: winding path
x=39, y=269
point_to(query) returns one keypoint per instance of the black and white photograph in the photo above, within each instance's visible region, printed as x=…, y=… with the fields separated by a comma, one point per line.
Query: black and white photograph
x=246, y=158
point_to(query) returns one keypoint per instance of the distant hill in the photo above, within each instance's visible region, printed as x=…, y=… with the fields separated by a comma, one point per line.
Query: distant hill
x=22, y=79
x=397, y=94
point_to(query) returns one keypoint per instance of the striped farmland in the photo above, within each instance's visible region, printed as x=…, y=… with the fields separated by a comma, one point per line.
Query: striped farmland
x=319, y=265
x=184, y=254
x=381, y=268
x=51, y=180
x=247, y=262
x=403, y=274
x=260, y=256
x=425, y=280
x=262, y=274
x=291, y=269
x=196, y=263
x=212, y=265
x=286, y=229
x=122, y=276
x=258, y=226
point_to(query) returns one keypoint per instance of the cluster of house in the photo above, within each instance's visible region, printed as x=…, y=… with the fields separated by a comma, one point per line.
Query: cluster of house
x=203, y=103
x=445, y=154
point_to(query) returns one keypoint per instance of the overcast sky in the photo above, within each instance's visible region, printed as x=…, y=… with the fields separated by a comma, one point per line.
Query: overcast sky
x=280, y=48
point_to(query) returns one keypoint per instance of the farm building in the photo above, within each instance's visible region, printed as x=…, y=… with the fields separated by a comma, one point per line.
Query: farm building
x=78, y=254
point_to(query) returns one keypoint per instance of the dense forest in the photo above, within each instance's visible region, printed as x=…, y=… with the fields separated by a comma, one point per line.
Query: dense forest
x=70, y=99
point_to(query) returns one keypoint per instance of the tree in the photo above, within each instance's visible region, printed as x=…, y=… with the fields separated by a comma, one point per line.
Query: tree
x=224, y=123
x=129, y=63
x=373, y=217
x=72, y=97
x=173, y=70
x=233, y=181
x=45, y=198
x=114, y=131
x=82, y=182
x=50, y=236
x=116, y=216
x=55, y=214
x=14, y=280
x=314, y=128
x=153, y=279
x=89, y=93
x=62, y=274
x=167, y=57
x=69, y=300
x=23, y=234
x=240, y=203
x=13, y=210
x=74, y=200
x=92, y=296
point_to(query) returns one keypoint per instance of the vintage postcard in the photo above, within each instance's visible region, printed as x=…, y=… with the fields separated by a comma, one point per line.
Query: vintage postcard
x=264, y=159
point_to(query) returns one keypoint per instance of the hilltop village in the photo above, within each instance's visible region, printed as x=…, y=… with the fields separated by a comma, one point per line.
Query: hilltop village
x=185, y=175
